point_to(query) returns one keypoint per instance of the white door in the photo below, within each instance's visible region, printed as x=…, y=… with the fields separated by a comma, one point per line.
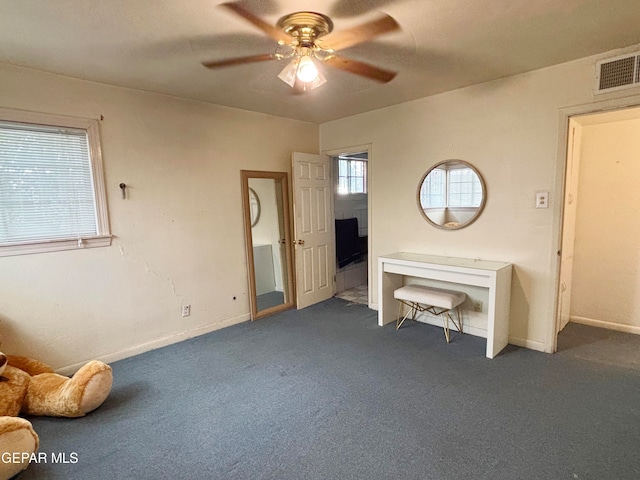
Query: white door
x=569, y=224
x=313, y=228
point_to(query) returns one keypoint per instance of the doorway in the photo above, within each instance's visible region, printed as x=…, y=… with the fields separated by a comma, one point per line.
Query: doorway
x=351, y=212
x=600, y=262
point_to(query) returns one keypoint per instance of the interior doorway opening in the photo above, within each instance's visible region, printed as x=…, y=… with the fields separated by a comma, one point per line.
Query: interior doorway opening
x=600, y=262
x=351, y=212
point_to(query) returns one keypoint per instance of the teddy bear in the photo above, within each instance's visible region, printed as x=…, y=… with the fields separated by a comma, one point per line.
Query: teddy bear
x=30, y=387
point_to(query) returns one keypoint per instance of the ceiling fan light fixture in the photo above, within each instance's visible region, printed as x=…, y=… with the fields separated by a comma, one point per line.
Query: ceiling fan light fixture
x=288, y=73
x=316, y=82
x=303, y=69
x=284, y=51
x=307, y=70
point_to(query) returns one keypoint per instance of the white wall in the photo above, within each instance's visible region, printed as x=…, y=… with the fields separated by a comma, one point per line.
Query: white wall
x=178, y=238
x=510, y=130
x=606, y=269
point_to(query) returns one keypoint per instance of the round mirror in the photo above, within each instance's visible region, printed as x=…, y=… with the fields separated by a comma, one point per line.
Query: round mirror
x=254, y=206
x=451, y=194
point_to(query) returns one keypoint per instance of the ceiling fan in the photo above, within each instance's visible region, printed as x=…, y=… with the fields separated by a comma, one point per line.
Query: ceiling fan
x=306, y=37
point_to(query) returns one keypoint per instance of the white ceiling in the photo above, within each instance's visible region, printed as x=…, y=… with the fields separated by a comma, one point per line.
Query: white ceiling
x=158, y=45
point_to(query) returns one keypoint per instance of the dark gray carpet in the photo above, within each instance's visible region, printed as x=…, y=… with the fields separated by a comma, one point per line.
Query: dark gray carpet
x=325, y=393
x=600, y=345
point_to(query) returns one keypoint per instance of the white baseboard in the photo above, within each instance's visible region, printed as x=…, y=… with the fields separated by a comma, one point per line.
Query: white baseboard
x=437, y=322
x=526, y=343
x=480, y=332
x=161, y=342
x=619, y=327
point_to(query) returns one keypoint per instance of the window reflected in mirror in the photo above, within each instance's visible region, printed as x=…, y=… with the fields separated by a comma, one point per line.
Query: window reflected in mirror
x=451, y=195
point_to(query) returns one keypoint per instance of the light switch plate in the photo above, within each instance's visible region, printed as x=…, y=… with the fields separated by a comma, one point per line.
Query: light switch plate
x=542, y=200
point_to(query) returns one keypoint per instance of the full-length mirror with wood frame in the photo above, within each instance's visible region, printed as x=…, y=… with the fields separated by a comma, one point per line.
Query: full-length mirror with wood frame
x=268, y=242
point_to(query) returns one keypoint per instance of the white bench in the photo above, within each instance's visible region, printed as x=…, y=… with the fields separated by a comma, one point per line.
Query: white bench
x=437, y=301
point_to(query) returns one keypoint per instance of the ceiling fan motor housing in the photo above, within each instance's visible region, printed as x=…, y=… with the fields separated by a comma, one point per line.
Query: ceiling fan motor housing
x=305, y=27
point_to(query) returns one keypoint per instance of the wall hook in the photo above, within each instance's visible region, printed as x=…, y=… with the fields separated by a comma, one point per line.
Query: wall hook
x=123, y=187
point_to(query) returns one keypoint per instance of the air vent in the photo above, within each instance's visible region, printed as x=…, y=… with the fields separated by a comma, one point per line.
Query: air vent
x=618, y=73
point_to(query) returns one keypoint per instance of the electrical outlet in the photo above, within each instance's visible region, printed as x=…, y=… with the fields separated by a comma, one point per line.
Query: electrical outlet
x=542, y=200
x=477, y=306
x=186, y=310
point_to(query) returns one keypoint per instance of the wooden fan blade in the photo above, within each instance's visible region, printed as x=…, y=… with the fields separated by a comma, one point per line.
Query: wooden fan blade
x=359, y=34
x=272, y=31
x=360, y=68
x=229, y=62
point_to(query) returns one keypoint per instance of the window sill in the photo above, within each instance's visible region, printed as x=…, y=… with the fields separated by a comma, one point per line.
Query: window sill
x=26, y=248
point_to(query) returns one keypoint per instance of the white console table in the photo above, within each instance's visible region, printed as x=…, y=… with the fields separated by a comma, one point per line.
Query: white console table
x=496, y=276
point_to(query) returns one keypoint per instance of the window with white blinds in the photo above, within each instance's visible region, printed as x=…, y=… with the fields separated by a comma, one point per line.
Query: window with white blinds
x=51, y=196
